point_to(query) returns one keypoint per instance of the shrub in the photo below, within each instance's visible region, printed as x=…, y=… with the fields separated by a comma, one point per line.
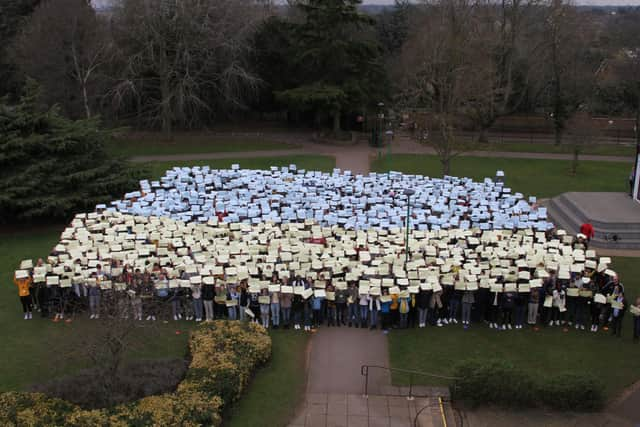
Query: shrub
x=500, y=383
x=573, y=392
x=491, y=381
x=224, y=354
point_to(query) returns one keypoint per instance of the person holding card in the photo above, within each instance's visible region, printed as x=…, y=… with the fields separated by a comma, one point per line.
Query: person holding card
x=265, y=307
x=468, y=298
x=254, y=304
x=618, y=307
x=208, y=294
x=404, y=306
x=508, y=303
x=435, y=307
x=297, y=309
x=363, y=303
x=374, y=309
x=316, y=306
x=94, y=299
x=234, y=296
x=331, y=306
x=385, y=310
x=532, y=307
x=558, y=305
x=636, y=320
x=341, y=306
x=352, y=304
x=275, y=308
x=285, y=306
x=422, y=303
x=23, y=281
x=244, y=301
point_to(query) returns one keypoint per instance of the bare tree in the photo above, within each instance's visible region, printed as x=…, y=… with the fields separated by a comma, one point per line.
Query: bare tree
x=581, y=131
x=510, y=56
x=569, y=71
x=65, y=46
x=185, y=58
x=439, y=71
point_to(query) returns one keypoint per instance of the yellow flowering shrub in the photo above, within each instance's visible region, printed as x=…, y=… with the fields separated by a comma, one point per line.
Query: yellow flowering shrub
x=224, y=355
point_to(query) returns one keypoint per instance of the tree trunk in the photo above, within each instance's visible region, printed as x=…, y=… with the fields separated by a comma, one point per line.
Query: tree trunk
x=482, y=136
x=574, y=161
x=557, y=129
x=446, y=165
x=336, y=122
x=166, y=109
x=85, y=98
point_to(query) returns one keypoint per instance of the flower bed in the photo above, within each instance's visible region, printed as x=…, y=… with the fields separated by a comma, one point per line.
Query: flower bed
x=224, y=355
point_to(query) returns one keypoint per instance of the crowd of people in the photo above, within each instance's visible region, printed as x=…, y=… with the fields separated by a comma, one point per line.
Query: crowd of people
x=289, y=194
x=303, y=276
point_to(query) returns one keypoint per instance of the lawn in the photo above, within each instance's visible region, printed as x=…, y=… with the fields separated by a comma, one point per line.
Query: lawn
x=321, y=163
x=547, y=352
x=541, y=178
x=146, y=144
x=538, y=147
x=275, y=392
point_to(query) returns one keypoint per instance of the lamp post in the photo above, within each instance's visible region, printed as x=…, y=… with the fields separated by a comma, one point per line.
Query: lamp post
x=409, y=192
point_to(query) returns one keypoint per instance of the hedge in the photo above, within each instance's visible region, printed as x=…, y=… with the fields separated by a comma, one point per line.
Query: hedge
x=223, y=356
x=500, y=383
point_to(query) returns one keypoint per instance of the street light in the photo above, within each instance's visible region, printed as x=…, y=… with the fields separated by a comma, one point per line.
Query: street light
x=409, y=192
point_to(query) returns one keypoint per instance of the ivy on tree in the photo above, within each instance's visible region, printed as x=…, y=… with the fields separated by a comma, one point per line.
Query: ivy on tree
x=52, y=167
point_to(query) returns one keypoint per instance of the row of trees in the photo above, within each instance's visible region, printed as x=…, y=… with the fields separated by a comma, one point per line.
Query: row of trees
x=190, y=63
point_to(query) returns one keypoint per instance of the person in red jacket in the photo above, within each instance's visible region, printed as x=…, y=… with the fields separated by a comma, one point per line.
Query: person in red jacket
x=587, y=230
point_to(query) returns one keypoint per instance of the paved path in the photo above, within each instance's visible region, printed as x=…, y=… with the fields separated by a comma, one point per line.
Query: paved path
x=335, y=387
x=335, y=358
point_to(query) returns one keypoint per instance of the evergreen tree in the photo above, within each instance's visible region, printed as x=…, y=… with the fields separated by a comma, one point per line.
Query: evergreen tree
x=338, y=58
x=52, y=167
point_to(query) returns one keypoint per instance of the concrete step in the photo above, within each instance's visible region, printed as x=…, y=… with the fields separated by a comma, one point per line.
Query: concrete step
x=567, y=215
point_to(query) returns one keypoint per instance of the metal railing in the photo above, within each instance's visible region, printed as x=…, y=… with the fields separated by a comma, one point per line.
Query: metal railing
x=364, y=371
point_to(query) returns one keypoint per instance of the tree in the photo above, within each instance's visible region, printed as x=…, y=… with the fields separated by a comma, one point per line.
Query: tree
x=50, y=166
x=65, y=46
x=12, y=16
x=392, y=27
x=338, y=58
x=185, y=59
x=510, y=55
x=581, y=132
x=438, y=71
x=569, y=68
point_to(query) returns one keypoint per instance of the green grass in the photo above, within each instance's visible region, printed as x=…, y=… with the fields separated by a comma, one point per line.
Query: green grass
x=538, y=147
x=277, y=388
x=541, y=178
x=546, y=352
x=311, y=162
x=147, y=144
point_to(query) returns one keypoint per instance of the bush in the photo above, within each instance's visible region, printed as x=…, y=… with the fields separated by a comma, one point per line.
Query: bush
x=573, y=392
x=492, y=381
x=224, y=355
x=500, y=383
